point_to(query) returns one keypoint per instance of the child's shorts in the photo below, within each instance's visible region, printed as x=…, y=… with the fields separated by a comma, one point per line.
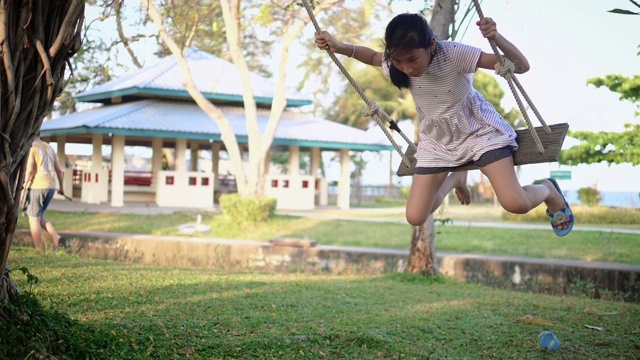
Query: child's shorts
x=487, y=158
x=39, y=200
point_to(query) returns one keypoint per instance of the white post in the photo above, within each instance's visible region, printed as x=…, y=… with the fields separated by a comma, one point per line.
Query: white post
x=193, y=163
x=344, y=185
x=117, y=171
x=315, y=162
x=156, y=159
x=181, y=155
x=62, y=154
x=96, y=158
x=62, y=159
x=294, y=160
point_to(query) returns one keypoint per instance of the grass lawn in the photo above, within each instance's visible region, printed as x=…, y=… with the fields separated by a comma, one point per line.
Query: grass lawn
x=581, y=245
x=123, y=311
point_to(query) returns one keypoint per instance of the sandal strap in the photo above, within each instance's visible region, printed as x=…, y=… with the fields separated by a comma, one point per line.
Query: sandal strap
x=562, y=216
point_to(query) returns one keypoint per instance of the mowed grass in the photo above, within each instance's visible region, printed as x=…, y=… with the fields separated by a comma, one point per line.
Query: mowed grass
x=580, y=245
x=125, y=311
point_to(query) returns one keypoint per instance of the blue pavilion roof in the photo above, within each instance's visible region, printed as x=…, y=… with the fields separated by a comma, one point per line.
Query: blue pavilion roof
x=181, y=119
x=217, y=79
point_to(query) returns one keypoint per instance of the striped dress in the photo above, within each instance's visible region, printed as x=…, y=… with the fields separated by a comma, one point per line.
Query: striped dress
x=457, y=124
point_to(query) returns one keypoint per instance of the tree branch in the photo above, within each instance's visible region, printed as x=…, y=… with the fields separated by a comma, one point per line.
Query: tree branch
x=123, y=38
x=68, y=28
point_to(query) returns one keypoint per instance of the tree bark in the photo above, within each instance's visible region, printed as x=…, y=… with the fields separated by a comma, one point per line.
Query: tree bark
x=442, y=17
x=422, y=257
x=37, y=39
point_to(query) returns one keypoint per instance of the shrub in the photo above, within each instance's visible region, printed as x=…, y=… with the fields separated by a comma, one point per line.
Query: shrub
x=248, y=209
x=404, y=192
x=589, y=196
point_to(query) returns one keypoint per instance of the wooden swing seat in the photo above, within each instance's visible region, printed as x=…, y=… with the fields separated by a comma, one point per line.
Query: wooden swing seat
x=527, y=152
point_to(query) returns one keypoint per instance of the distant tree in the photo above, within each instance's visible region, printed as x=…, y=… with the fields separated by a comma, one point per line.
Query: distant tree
x=612, y=147
x=627, y=87
x=589, y=196
x=348, y=108
x=488, y=86
x=627, y=12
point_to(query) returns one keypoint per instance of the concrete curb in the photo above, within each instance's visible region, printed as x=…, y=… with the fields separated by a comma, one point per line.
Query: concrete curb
x=530, y=274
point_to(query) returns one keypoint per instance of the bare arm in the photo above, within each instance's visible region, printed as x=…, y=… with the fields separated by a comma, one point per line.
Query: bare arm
x=31, y=170
x=29, y=176
x=368, y=56
x=60, y=174
x=510, y=51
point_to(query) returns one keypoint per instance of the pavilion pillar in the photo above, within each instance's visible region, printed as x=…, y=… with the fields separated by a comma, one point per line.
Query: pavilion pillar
x=193, y=162
x=181, y=155
x=321, y=187
x=95, y=181
x=315, y=162
x=294, y=160
x=156, y=158
x=215, y=163
x=117, y=170
x=96, y=158
x=344, y=185
x=62, y=154
x=62, y=159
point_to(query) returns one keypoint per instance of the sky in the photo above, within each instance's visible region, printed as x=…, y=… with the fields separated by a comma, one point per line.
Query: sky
x=566, y=43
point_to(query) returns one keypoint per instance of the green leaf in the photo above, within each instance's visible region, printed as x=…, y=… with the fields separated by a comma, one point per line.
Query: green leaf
x=623, y=12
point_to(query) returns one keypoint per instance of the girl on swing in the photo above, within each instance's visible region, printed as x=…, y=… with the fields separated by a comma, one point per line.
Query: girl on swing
x=457, y=125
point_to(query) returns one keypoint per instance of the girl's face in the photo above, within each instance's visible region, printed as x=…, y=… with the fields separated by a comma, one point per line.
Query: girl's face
x=412, y=62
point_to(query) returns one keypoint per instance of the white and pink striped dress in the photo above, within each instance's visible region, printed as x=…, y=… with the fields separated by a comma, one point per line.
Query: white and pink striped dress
x=457, y=124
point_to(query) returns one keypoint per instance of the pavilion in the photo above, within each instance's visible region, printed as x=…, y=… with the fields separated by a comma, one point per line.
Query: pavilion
x=151, y=108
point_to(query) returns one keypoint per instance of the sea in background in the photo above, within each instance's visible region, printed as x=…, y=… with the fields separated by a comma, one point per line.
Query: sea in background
x=609, y=198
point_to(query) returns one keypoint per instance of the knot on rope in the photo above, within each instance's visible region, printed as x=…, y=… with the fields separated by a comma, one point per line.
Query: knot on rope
x=371, y=109
x=504, y=66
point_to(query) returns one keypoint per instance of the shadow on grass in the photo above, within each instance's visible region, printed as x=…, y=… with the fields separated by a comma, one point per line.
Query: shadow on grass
x=140, y=312
x=35, y=332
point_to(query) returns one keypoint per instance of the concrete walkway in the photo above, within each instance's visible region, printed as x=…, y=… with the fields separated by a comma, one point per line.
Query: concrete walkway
x=468, y=223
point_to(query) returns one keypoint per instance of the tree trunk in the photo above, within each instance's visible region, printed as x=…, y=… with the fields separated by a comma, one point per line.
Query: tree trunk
x=37, y=39
x=422, y=258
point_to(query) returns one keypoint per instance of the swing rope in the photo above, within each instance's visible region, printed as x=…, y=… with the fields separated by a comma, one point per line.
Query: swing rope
x=505, y=68
x=372, y=109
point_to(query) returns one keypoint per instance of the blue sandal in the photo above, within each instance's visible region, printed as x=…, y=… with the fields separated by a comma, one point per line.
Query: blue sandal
x=563, y=216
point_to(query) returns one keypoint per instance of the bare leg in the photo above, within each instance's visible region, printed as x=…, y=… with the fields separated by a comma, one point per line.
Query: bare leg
x=519, y=199
x=459, y=180
x=424, y=197
x=46, y=224
x=36, y=232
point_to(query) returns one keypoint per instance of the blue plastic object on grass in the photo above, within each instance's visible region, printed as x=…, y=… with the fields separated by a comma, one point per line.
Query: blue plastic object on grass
x=549, y=341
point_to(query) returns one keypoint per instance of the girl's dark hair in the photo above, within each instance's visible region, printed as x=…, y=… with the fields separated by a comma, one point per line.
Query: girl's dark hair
x=405, y=32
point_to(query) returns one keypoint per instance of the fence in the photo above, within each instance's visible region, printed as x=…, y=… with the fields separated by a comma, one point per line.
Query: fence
x=368, y=193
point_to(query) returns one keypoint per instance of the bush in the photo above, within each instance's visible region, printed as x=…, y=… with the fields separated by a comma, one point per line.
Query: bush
x=404, y=192
x=247, y=209
x=589, y=196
